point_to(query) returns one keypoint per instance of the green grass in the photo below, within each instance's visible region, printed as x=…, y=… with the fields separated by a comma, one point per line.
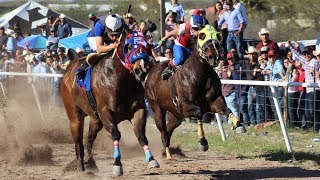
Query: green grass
x=253, y=144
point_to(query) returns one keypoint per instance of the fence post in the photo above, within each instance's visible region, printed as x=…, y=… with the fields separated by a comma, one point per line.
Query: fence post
x=223, y=135
x=283, y=127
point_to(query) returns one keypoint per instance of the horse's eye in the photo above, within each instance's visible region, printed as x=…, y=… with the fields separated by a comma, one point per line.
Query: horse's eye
x=202, y=36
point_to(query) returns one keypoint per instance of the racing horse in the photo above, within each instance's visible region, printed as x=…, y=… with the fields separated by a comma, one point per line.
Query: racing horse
x=119, y=95
x=193, y=90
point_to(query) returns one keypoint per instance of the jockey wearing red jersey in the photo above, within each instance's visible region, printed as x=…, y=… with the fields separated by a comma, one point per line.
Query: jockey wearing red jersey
x=185, y=32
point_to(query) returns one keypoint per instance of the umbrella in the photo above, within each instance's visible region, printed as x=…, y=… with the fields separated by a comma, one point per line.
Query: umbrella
x=36, y=42
x=78, y=41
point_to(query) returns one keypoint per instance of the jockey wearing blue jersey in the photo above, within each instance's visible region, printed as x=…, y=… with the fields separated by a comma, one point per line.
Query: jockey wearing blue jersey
x=185, y=32
x=106, y=34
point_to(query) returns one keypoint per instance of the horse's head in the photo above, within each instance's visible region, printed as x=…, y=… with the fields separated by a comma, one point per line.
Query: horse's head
x=140, y=65
x=209, y=45
x=135, y=52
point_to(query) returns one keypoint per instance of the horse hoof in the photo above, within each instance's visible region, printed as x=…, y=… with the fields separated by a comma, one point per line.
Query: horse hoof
x=203, y=147
x=117, y=170
x=153, y=164
x=241, y=129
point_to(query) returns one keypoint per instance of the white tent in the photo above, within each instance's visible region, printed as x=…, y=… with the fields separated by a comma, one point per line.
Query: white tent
x=32, y=14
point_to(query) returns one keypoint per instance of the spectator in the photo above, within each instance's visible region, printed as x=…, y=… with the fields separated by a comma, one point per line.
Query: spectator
x=168, y=55
x=3, y=39
x=240, y=6
x=255, y=93
x=43, y=30
x=292, y=75
x=50, y=24
x=203, y=14
x=11, y=45
x=144, y=28
x=171, y=24
x=275, y=69
x=177, y=8
x=224, y=27
x=265, y=41
x=224, y=4
x=131, y=22
x=7, y=62
x=53, y=40
x=302, y=96
x=94, y=20
x=64, y=28
x=16, y=28
x=80, y=52
x=309, y=64
x=234, y=21
x=19, y=65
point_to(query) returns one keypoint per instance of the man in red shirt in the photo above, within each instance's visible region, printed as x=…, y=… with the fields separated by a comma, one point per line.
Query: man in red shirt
x=265, y=41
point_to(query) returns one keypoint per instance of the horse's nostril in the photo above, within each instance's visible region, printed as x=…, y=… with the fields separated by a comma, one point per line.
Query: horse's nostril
x=137, y=71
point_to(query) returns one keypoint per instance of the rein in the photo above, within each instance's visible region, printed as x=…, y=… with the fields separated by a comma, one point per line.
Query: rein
x=125, y=63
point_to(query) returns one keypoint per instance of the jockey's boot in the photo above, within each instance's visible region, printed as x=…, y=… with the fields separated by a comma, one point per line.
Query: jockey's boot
x=81, y=72
x=167, y=72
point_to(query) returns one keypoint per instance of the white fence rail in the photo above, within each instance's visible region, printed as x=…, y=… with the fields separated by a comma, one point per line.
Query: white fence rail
x=235, y=82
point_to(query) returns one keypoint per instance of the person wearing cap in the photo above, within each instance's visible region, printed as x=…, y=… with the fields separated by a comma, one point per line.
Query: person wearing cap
x=309, y=64
x=174, y=6
x=49, y=25
x=130, y=21
x=11, y=45
x=265, y=41
x=255, y=108
x=276, y=71
x=184, y=34
x=80, y=51
x=94, y=20
x=64, y=28
x=235, y=23
x=107, y=35
x=53, y=40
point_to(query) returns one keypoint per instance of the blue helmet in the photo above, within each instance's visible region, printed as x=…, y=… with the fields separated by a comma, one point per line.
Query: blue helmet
x=137, y=56
x=195, y=20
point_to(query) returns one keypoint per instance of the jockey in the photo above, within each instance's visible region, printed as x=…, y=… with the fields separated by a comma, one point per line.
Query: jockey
x=184, y=34
x=106, y=33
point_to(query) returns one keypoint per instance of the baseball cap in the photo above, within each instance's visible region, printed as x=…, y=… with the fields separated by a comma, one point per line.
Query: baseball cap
x=62, y=16
x=272, y=53
x=114, y=24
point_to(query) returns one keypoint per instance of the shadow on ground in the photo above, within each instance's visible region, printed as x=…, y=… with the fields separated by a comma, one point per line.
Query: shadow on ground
x=282, y=172
x=296, y=156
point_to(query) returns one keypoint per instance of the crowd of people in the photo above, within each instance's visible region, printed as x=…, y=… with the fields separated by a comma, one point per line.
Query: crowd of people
x=263, y=62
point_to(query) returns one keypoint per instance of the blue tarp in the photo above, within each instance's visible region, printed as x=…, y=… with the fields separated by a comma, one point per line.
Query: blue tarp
x=79, y=41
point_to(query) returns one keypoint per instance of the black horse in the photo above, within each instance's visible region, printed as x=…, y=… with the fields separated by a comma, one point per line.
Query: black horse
x=119, y=96
x=193, y=90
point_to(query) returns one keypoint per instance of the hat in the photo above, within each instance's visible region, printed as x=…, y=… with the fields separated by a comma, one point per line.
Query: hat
x=195, y=20
x=24, y=52
x=263, y=31
x=264, y=49
x=91, y=15
x=1, y=27
x=62, y=16
x=307, y=51
x=317, y=50
x=196, y=12
x=50, y=17
x=203, y=11
x=252, y=49
x=78, y=50
x=9, y=32
x=272, y=53
x=114, y=24
x=52, y=29
x=230, y=55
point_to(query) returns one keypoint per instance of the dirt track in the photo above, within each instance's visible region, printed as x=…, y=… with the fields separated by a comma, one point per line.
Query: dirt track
x=35, y=149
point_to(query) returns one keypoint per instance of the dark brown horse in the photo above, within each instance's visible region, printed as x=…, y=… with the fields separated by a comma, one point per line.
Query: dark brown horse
x=119, y=96
x=193, y=90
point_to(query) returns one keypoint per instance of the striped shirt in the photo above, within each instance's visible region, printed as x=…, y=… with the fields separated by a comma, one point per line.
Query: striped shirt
x=308, y=66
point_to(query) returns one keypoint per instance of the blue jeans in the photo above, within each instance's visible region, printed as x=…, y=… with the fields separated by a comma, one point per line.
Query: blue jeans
x=180, y=54
x=232, y=104
x=244, y=107
x=293, y=98
x=309, y=109
x=235, y=42
x=279, y=92
x=255, y=108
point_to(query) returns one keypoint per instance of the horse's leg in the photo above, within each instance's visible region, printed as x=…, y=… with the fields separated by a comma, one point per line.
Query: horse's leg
x=191, y=110
x=139, y=127
x=76, y=118
x=220, y=106
x=173, y=123
x=160, y=120
x=94, y=127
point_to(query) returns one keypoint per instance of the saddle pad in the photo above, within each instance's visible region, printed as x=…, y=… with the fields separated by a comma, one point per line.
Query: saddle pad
x=85, y=84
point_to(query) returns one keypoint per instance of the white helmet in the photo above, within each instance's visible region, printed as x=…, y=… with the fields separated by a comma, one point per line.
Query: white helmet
x=114, y=24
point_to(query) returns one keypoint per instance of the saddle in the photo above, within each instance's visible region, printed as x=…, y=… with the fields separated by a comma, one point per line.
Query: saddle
x=93, y=58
